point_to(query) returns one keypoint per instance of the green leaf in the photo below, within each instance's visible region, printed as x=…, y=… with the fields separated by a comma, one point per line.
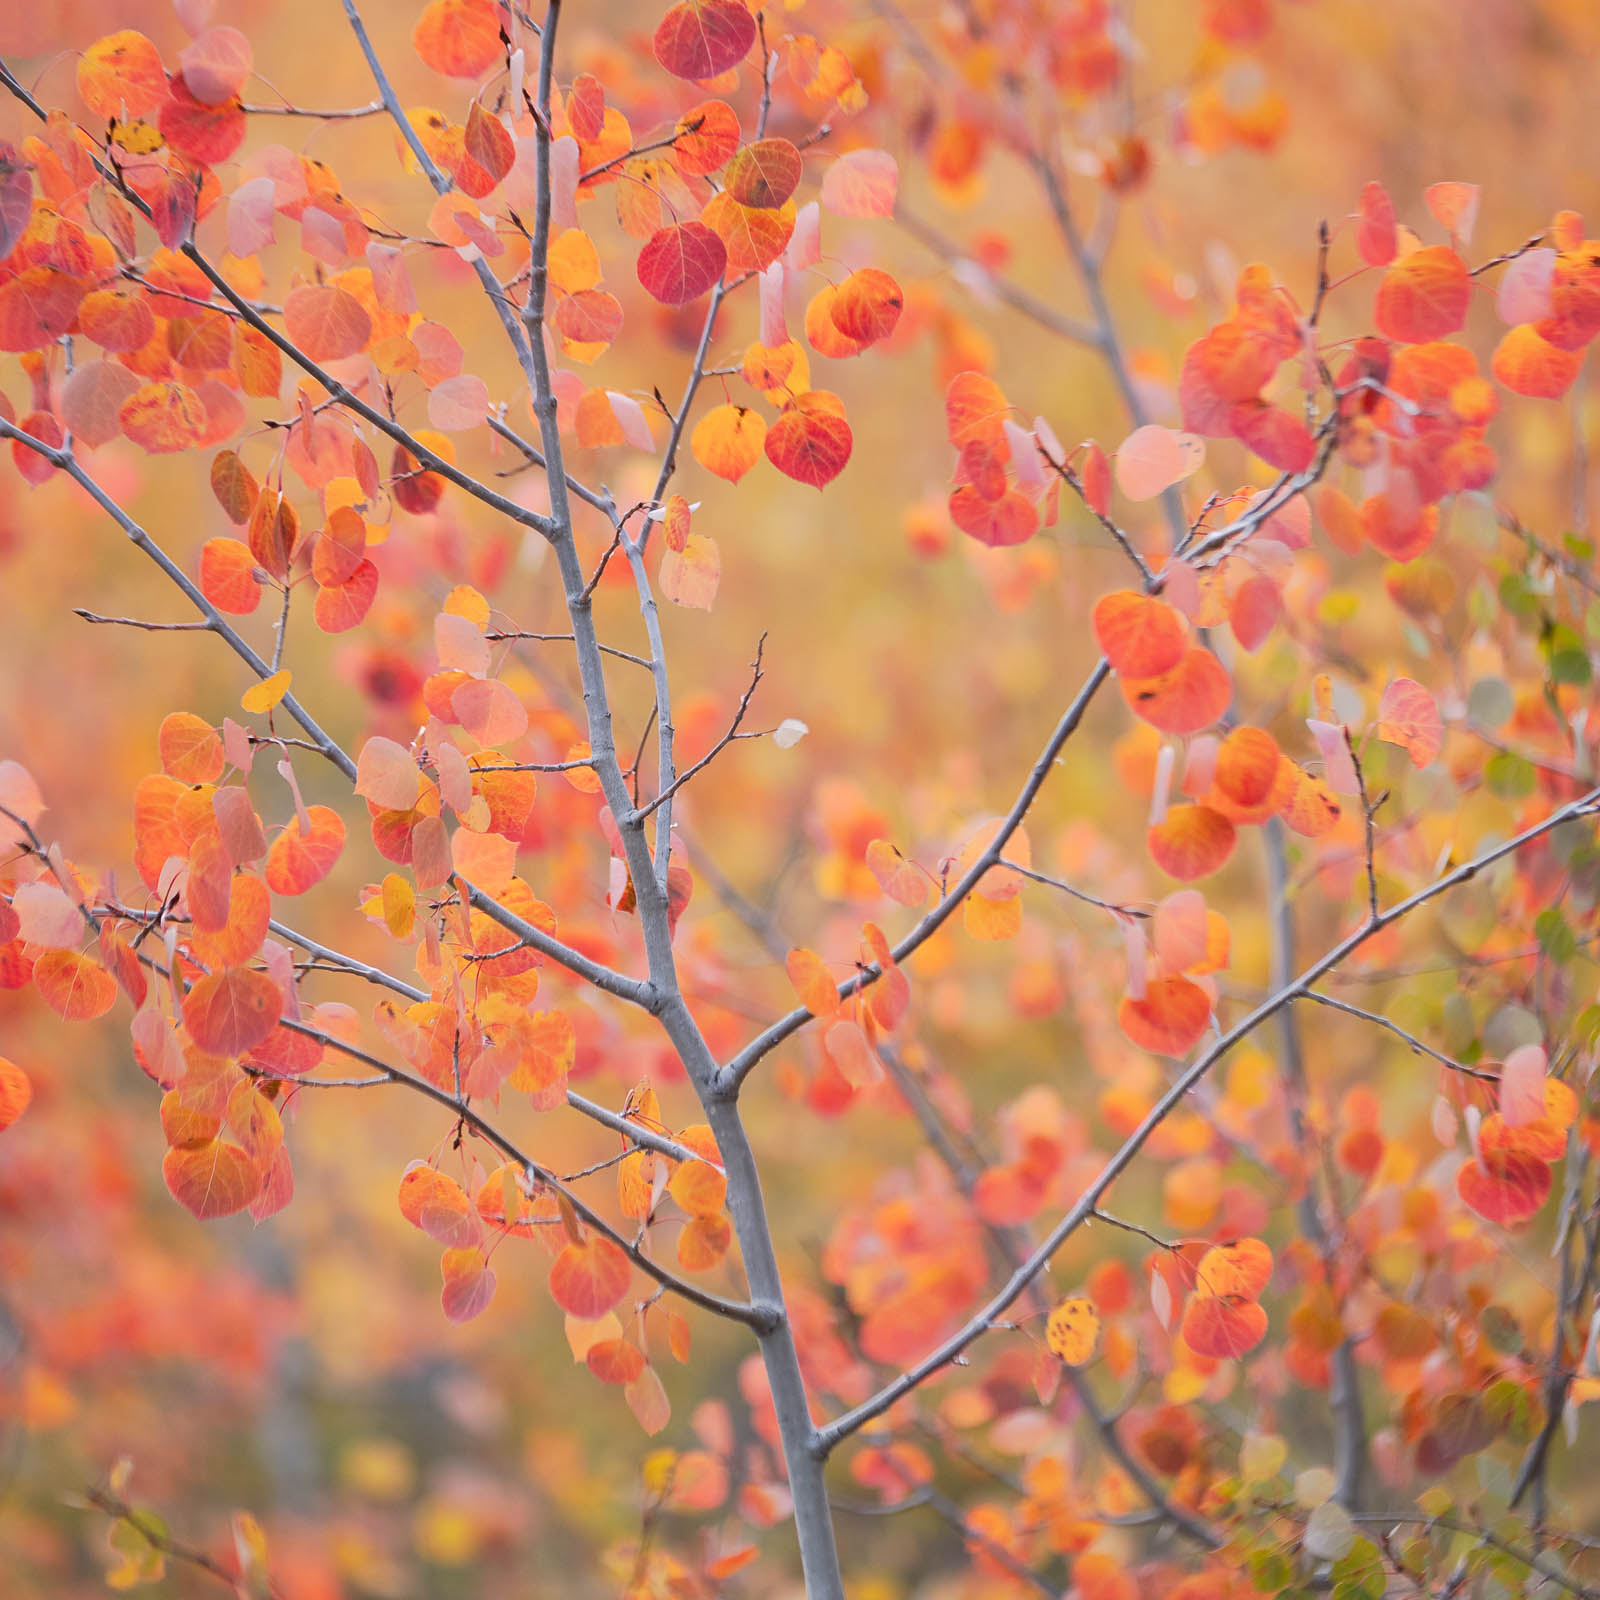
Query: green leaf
x=1555, y=936
x=140, y=1559
x=1510, y=776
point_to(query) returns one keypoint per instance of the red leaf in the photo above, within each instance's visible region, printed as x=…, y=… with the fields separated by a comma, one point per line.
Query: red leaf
x=1012, y=519
x=680, y=262
x=704, y=38
x=1504, y=1186
x=810, y=442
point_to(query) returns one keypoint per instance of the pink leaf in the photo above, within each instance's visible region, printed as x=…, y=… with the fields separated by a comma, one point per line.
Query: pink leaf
x=1522, y=1078
x=1152, y=459
x=1525, y=289
x=861, y=183
x=387, y=775
x=805, y=243
x=774, y=330
x=461, y=644
x=215, y=65
x=1408, y=717
x=630, y=414
x=250, y=216
x=458, y=403
x=391, y=279
x=1180, y=930
x=1338, y=770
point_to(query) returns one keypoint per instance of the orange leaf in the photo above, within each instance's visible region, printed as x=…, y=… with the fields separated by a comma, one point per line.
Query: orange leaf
x=228, y=576
x=1423, y=296
x=975, y=410
x=1170, y=1020
x=74, y=987
x=1454, y=206
x=1530, y=365
x=1140, y=636
x=866, y=306
x=614, y=1360
x=698, y=1186
x=587, y=1279
x=1306, y=804
x=1243, y=1268
x=1012, y=519
x=122, y=75
x=1246, y=772
x=326, y=322
x=232, y=1011
x=469, y=1283
x=764, y=174
x=1222, y=1329
x=296, y=861
x=434, y=1202
x=1191, y=843
x=704, y=1243
x=191, y=749
x=460, y=38
x=812, y=982
x=646, y=1398
x=214, y=1178
x=16, y=1091
x=1189, y=697
x=754, y=238
x=164, y=417
x=707, y=136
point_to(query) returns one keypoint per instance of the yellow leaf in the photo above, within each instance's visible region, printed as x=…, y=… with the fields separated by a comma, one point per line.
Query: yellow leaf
x=265, y=695
x=399, y=905
x=1073, y=1330
x=1261, y=1456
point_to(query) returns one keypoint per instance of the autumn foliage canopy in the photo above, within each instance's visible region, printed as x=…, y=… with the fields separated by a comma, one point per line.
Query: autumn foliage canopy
x=788, y=842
